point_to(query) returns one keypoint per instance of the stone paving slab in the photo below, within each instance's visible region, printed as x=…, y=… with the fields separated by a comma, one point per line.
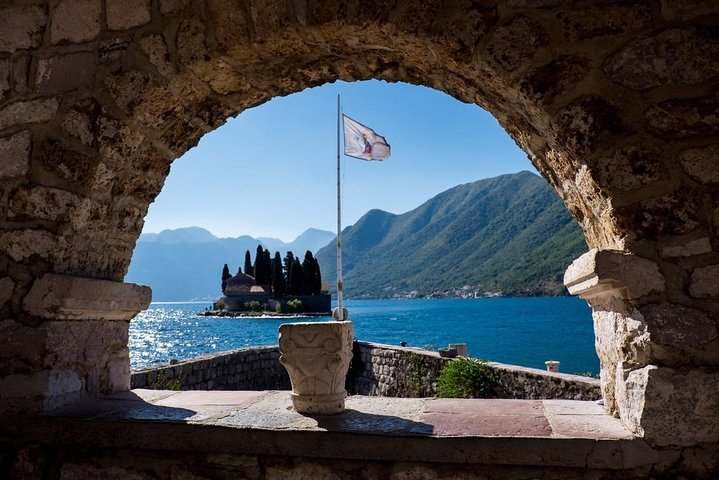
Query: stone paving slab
x=369, y=415
x=486, y=432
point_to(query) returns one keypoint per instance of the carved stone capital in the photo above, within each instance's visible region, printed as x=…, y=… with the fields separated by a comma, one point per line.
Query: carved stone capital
x=611, y=273
x=317, y=356
x=62, y=297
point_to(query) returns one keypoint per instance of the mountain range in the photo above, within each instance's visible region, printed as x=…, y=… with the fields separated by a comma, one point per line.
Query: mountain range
x=506, y=235
x=186, y=263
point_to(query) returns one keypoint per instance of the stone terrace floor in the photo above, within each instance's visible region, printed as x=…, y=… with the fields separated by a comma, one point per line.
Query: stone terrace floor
x=509, y=432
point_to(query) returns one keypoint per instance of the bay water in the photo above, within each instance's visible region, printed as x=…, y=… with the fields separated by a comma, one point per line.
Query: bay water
x=520, y=331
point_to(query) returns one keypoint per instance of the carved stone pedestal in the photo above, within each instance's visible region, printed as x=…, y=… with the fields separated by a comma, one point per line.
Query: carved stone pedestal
x=317, y=357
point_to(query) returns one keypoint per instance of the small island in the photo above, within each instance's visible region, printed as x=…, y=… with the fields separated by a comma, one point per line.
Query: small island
x=273, y=286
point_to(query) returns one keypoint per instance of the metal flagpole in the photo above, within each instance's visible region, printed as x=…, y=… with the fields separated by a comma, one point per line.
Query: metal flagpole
x=340, y=308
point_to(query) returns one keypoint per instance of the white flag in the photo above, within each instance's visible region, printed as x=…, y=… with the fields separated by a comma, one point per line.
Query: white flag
x=362, y=142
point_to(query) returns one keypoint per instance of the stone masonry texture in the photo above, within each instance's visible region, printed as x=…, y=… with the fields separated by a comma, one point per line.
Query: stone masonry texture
x=614, y=103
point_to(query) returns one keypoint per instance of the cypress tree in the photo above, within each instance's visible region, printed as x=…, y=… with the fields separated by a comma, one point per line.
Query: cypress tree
x=308, y=270
x=297, y=278
x=259, y=267
x=225, y=276
x=267, y=265
x=317, y=277
x=278, y=278
x=248, y=264
x=289, y=262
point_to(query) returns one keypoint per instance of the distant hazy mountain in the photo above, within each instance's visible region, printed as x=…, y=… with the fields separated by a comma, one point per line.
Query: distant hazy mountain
x=510, y=234
x=186, y=263
x=311, y=239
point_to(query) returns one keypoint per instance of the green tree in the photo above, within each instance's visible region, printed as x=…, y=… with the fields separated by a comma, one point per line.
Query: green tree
x=278, y=277
x=289, y=261
x=312, y=275
x=297, y=278
x=225, y=276
x=248, y=264
x=267, y=266
x=317, y=278
x=262, y=276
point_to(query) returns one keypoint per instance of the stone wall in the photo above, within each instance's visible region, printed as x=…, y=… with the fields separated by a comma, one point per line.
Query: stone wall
x=379, y=370
x=407, y=372
x=246, y=369
x=615, y=104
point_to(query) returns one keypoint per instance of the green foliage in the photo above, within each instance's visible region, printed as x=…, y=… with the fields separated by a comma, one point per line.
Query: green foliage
x=586, y=374
x=163, y=382
x=219, y=304
x=294, y=306
x=418, y=373
x=248, y=264
x=278, y=307
x=467, y=378
x=253, y=306
x=510, y=234
x=225, y=276
x=279, y=286
x=296, y=281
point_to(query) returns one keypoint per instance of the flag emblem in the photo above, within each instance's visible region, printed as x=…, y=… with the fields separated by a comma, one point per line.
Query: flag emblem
x=363, y=142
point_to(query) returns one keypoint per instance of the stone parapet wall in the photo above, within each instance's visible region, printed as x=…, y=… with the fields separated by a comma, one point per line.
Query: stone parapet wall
x=407, y=372
x=256, y=368
x=376, y=369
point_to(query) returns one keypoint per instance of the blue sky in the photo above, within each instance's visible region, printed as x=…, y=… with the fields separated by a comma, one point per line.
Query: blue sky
x=271, y=171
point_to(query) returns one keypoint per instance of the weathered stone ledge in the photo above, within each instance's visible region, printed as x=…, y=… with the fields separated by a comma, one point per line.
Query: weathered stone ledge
x=557, y=433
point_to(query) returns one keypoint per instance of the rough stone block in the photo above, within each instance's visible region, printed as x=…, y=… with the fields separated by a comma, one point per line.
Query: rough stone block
x=21, y=27
x=172, y=6
x=73, y=298
x=604, y=20
x=20, y=245
x=4, y=76
x=231, y=26
x=684, y=118
x=673, y=57
x=702, y=163
x=42, y=203
x=191, y=41
x=65, y=73
x=75, y=21
x=613, y=273
x=689, y=248
x=670, y=406
x=687, y=9
x=545, y=83
x=679, y=335
x=15, y=155
x=704, y=282
x=31, y=111
x=7, y=287
x=629, y=167
x=127, y=14
x=156, y=50
x=20, y=75
x=527, y=36
x=78, y=125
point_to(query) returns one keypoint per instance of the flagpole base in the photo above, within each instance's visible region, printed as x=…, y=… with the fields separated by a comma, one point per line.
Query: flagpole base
x=336, y=314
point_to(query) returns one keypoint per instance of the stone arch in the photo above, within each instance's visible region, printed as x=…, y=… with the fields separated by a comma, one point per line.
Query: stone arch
x=615, y=105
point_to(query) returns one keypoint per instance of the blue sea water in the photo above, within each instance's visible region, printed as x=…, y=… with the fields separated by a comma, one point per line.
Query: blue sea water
x=520, y=331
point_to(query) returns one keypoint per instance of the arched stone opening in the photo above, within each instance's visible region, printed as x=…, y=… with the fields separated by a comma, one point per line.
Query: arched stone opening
x=615, y=105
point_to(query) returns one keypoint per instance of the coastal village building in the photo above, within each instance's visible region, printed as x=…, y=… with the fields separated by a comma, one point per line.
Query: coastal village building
x=615, y=104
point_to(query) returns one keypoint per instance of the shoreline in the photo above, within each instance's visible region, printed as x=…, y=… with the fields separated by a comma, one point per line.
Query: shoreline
x=220, y=313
